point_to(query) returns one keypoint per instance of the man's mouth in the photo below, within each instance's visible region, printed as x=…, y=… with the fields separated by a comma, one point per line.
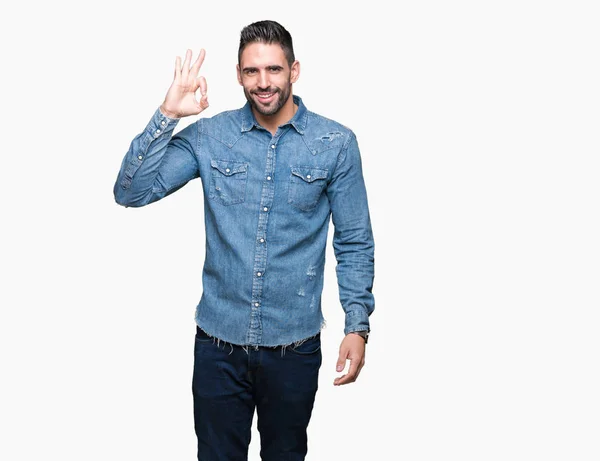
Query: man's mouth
x=266, y=97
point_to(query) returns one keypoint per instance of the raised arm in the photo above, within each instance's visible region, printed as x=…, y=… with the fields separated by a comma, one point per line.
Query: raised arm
x=157, y=163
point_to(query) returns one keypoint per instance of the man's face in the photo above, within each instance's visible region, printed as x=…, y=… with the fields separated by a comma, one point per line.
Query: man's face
x=266, y=77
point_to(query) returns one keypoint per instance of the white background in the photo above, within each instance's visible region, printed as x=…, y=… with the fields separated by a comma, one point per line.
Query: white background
x=478, y=127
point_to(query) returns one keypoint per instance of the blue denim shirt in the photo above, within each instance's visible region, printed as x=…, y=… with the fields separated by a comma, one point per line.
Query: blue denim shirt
x=267, y=203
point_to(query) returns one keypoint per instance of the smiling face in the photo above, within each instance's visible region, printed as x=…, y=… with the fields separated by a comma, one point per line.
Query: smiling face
x=267, y=77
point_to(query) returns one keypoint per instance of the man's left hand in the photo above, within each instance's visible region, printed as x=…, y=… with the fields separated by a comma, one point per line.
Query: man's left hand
x=353, y=349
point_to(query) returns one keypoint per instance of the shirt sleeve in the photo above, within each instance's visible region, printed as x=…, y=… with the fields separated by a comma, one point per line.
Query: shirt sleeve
x=157, y=162
x=353, y=241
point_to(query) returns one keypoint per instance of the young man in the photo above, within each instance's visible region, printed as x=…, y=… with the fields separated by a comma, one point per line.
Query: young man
x=272, y=173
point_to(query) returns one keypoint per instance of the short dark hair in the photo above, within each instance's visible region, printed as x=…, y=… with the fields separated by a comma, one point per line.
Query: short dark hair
x=267, y=32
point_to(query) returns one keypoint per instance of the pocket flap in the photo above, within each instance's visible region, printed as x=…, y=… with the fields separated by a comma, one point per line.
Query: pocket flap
x=228, y=167
x=309, y=174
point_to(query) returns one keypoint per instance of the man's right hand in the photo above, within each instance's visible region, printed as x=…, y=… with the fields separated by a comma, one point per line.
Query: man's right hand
x=181, y=97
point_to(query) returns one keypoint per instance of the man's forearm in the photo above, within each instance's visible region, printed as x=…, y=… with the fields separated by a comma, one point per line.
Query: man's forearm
x=150, y=154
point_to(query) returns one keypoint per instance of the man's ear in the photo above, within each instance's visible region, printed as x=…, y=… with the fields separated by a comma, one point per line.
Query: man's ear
x=295, y=72
x=239, y=75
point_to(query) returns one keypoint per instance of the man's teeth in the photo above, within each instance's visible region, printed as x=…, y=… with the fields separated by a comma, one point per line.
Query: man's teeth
x=268, y=95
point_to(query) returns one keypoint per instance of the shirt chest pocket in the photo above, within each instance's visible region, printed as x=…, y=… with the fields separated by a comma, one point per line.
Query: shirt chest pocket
x=306, y=186
x=228, y=181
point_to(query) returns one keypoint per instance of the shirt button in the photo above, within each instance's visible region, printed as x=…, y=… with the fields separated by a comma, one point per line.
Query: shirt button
x=259, y=274
x=157, y=131
x=162, y=123
x=140, y=157
x=272, y=146
x=265, y=209
x=268, y=178
x=256, y=304
x=227, y=170
x=307, y=176
x=262, y=240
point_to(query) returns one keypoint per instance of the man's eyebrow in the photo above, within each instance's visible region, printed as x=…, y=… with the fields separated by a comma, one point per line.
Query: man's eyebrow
x=274, y=66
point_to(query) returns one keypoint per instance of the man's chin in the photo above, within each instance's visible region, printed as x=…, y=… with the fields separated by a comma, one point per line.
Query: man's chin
x=265, y=109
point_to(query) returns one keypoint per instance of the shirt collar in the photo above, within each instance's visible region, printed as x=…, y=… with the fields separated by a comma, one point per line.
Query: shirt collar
x=298, y=121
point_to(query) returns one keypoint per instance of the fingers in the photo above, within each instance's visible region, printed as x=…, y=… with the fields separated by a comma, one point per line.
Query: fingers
x=199, y=61
x=341, y=363
x=184, y=71
x=203, y=86
x=352, y=348
x=352, y=374
x=186, y=64
x=177, y=68
x=337, y=381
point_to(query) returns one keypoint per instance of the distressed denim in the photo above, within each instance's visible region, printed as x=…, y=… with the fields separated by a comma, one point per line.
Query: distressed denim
x=267, y=205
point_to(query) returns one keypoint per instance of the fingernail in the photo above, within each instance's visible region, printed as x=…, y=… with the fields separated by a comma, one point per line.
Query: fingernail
x=339, y=368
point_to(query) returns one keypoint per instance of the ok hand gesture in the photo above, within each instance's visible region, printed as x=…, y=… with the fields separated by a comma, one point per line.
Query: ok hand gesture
x=181, y=97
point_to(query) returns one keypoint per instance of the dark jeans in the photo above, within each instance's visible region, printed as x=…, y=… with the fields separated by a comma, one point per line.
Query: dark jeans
x=230, y=381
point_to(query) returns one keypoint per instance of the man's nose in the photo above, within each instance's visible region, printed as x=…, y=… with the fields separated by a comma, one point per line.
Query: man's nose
x=263, y=80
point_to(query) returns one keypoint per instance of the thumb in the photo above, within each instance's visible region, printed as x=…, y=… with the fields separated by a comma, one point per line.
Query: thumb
x=341, y=363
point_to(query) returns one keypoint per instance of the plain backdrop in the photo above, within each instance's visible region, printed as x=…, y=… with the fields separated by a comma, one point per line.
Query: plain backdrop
x=478, y=127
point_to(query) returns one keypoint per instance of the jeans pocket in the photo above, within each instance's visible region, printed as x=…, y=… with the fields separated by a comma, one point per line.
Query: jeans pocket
x=201, y=336
x=228, y=181
x=308, y=347
x=306, y=186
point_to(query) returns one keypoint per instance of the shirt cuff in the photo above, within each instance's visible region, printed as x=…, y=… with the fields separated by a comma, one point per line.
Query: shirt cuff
x=356, y=320
x=160, y=123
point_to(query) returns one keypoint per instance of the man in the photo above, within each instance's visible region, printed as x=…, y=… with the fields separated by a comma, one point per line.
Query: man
x=272, y=173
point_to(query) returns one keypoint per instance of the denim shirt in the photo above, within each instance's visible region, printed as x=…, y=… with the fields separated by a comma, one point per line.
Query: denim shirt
x=267, y=203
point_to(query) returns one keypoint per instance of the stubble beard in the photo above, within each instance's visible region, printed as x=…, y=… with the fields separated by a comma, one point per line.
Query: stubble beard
x=281, y=97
